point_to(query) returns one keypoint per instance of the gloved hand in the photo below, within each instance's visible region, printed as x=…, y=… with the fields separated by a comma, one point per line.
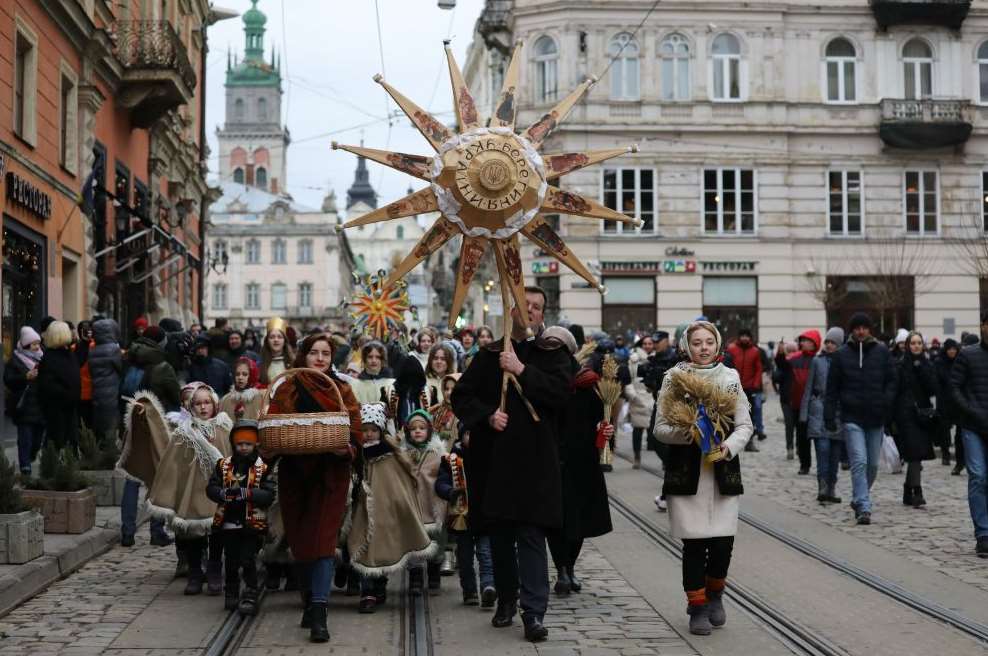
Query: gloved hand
x=234, y=494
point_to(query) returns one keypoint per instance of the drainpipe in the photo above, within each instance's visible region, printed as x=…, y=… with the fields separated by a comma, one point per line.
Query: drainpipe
x=203, y=201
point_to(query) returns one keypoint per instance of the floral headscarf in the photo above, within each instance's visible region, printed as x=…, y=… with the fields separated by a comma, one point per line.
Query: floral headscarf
x=189, y=393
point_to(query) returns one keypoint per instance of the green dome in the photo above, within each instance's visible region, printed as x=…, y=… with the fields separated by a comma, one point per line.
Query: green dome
x=254, y=17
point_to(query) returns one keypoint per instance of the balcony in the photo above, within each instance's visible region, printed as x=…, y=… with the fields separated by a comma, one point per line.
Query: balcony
x=945, y=13
x=158, y=76
x=923, y=124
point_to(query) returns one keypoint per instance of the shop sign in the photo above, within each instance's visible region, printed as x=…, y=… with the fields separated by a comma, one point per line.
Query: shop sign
x=23, y=193
x=679, y=266
x=711, y=267
x=631, y=267
x=676, y=251
x=3, y=164
x=539, y=268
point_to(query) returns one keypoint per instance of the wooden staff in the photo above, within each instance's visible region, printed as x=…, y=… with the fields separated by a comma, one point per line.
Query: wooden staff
x=507, y=375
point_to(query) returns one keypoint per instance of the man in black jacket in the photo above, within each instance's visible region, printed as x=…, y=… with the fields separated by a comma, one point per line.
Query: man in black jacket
x=207, y=369
x=862, y=384
x=969, y=384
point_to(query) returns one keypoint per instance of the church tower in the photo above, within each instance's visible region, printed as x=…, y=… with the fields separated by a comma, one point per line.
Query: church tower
x=253, y=142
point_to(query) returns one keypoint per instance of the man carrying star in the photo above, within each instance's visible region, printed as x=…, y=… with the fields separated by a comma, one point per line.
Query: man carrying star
x=514, y=485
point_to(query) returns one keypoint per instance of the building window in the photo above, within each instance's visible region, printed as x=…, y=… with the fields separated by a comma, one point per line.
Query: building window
x=546, y=70
x=219, y=296
x=25, y=85
x=400, y=232
x=238, y=109
x=278, y=296
x=983, y=71
x=262, y=110
x=219, y=249
x=922, y=202
x=844, y=208
x=550, y=285
x=238, y=175
x=305, y=251
x=261, y=177
x=840, y=60
x=628, y=305
x=624, y=72
x=142, y=202
x=727, y=68
x=253, y=251
x=278, y=251
x=675, y=53
x=305, y=295
x=731, y=303
x=253, y=296
x=917, y=61
x=68, y=152
x=729, y=201
x=632, y=192
x=984, y=201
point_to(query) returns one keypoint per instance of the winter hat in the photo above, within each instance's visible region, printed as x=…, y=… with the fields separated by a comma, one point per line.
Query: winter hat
x=45, y=322
x=170, y=325
x=660, y=335
x=562, y=335
x=373, y=414
x=950, y=343
x=139, y=323
x=577, y=331
x=28, y=336
x=745, y=332
x=812, y=335
x=970, y=340
x=859, y=319
x=245, y=430
x=156, y=335
x=835, y=335
x=901, y=336
x=202, y=340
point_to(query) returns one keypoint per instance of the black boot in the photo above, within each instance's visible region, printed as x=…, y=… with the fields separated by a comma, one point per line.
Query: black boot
x=505, y=614
x=272, y=576
x=248, y=602
x=306, y=621
x=214, y=578
x=563, y=583
x=821, y=495
x=907, y=494
x=534, y=631
x=196, y=579
x=832, y=494
x=945, y=455
x=918, y=500
x=318, y=632
x=574, y=583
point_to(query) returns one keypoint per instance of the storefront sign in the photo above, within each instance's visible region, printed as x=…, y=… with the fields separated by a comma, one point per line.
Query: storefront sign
x=711, y=267
x=23, y=193
x=679, y=266
x=631, y=267
x=539, y=268
x=675, y=251
x=3, y=164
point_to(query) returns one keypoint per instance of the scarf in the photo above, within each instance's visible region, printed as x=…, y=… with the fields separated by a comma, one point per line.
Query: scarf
x=684, y=340
x=28, y=358
x=585, y=378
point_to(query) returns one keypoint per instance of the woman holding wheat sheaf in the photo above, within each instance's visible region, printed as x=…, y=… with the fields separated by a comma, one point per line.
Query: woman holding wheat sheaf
x=703, y=416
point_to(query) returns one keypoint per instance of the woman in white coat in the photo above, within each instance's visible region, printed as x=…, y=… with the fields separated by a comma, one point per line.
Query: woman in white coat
x=702, y=490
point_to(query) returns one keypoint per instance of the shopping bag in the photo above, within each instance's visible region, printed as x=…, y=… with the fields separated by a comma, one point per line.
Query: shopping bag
x=889, y=460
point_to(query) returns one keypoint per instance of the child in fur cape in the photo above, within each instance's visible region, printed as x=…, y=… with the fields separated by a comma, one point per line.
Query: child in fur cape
x=244, y=400
x=178, y=492
x=426, y=451
x=387, y=532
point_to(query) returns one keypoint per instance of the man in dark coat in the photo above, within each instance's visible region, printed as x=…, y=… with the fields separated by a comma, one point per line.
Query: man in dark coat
x=862, y=383
x=238, y=349
x=206, y=369
x=949, y=419
x=147, y=352
x=105, y=369
x=514, y=486
x=969, y=384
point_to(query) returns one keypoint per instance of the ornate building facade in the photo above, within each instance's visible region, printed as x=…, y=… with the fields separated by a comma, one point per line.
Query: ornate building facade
x=798, y=160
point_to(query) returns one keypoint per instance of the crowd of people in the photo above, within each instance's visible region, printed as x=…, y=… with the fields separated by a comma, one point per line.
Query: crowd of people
x=474, y=455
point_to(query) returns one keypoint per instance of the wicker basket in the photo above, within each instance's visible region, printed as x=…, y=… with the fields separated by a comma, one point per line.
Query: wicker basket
x=303, y=433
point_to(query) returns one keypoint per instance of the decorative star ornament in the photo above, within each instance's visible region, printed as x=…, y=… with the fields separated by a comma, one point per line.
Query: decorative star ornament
x=378, y=307
x=489, y=184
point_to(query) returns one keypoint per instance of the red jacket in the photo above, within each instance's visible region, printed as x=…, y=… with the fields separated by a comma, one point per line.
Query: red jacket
x=748, y=362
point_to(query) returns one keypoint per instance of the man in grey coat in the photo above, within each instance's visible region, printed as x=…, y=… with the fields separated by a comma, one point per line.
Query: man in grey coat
x=829, y=444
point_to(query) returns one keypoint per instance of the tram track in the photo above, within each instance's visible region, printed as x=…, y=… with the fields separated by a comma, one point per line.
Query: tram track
x=232, y=631
x=965, y=625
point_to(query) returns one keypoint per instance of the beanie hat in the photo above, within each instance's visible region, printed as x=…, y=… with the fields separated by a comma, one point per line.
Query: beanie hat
x=373, y=414
x=835, y=335
x=140, y=322
x=202, y=340
x=245, y=430
x=950, y=343
x=745, y=332
x=170, y=325
x=28, y=336
x=660, y=335
x=156, y=335
x=860, y=319
x=901, y=336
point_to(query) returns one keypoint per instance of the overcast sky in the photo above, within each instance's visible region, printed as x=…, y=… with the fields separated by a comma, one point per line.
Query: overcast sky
x=331, y=55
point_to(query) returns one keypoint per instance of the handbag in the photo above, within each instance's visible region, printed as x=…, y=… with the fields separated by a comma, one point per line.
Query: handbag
x=925, y=416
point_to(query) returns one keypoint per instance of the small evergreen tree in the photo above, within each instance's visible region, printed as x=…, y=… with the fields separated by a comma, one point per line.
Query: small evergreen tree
x=10, y=495
x=49, y=461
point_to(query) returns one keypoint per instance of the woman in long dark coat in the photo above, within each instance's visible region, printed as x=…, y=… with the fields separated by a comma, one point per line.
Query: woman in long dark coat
x=586, y=512
x=60, y=387
x=913, y=409
x=314, y=488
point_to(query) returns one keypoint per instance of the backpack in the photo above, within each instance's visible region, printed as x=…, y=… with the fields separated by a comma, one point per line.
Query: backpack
x=131, y=382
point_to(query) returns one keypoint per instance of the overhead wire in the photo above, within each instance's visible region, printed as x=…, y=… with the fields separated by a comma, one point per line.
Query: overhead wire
x=624, y=45
x=387, y=104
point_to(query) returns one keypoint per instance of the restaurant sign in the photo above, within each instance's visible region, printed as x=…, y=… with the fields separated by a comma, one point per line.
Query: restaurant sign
x=728, y=267
x=23, y=193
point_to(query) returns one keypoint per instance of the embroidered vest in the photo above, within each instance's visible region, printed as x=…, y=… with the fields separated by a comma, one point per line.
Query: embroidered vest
x=456, y=516
x=256, y=518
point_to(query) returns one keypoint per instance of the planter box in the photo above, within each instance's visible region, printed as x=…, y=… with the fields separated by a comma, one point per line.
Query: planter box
x=22, y=537
x=106, y=484
x=64, y=512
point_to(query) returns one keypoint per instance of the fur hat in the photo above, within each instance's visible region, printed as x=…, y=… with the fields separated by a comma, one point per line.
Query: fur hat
x=373, y=414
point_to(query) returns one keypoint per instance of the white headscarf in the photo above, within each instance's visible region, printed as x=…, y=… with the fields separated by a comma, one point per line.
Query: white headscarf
x=684, y=341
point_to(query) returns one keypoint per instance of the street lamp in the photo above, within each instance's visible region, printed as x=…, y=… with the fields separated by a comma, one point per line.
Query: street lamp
x=447, y=4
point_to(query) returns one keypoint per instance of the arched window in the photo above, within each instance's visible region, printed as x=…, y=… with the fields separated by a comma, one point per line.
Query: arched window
x=624, y=73
x=261, y=177
x=840, y=58
x=726, y=53
x=262, y=109
x=546, y=70
x=917, y=62
x=983, y=71
x=675, y=53
x=238, y=109
x=238, y=175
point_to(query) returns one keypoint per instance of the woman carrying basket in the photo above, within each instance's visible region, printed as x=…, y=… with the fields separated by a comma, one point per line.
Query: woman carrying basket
x=314, y=472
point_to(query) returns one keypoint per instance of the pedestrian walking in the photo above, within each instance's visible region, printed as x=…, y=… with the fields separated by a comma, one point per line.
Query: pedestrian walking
x=747, y=359
x=861, y=384
x=640, y=399
x=59, y=387
x=106, y=369
x=828, y=444
x=792, y=372
x=915, y=416
x=205, y=368
x=425, y=451
x=514, y=488
x=703, y=499
x=276, y=353
x=969, y=385
x=947, y=408
x=24, y=407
